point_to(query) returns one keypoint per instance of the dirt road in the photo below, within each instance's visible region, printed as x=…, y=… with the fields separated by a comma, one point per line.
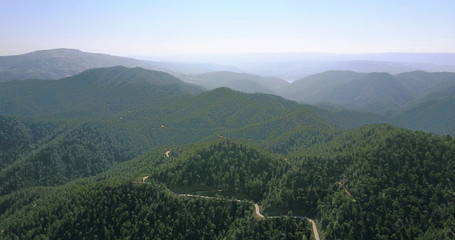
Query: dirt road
x=256, y=207
x=144, y=178
x=315, y=229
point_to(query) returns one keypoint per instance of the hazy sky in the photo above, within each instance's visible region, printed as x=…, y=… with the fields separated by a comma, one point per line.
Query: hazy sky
x=162, y=27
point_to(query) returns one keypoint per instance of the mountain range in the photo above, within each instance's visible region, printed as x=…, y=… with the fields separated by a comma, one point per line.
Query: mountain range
x=375, y=92
x=127, y=152
x=293, y=66
x=59, y=63
x=144, y=109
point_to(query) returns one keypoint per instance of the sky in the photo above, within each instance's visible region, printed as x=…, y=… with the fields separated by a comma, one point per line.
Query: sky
x=170, y=27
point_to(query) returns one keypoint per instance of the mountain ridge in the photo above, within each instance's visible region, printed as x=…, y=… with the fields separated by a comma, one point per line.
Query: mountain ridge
x=109, y=90
x=359, y=91
x=59, y=63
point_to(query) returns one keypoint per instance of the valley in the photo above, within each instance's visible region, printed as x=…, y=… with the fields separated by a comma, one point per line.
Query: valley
x=226, y=120
x=127, y=152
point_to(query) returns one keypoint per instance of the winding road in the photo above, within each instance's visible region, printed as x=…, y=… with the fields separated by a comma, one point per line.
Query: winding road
x=256, y=210
x=256, y=206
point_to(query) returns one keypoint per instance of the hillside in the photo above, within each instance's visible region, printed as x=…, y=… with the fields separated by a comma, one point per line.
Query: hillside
x=433, y=112
x=371, y=182
x=84, y=145
x=259, y=118
x=50, y=153
x=97, y=92
x=316, y=88
x=376, y=92
x=19, y=136
x=115, y=209
x=73, y=162
x=364, y=174
x=372, y=92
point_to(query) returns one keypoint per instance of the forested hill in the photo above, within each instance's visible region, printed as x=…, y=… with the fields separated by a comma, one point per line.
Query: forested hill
x=434, y=111
x=79, y=147
x=49, y=153
x=416, y=100
x=374, y=92
x=96, y=92
x=373, y=182
x=73, y=164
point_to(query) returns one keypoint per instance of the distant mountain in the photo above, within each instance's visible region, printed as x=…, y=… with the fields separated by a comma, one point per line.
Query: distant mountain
x=54, y=64
x=425, y=83
x=237, y=81
x=316, y=88
x=293, y=66
x=95, y=92
x=296, y=70
x=59, y=63
x=373, y=92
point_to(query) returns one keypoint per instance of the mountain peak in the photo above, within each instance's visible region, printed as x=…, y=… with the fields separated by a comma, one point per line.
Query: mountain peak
x=54, y=50
x=59, y=63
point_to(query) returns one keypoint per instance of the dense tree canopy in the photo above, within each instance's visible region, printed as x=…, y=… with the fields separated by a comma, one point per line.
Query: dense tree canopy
x=88, y=175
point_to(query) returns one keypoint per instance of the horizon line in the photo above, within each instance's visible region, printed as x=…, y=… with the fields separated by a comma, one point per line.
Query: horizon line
x=230, y=53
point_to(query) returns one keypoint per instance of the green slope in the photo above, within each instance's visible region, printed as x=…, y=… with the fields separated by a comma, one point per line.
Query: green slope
x=81, y=148
x=117, y=208
x=93, y=93
x=57, y=152
x=376, y=92
x=373, y=92
x=317, y=87
x=433, y=110
x=367, y=183
x=19, y=136
x=373, y=182
x=433, y=113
